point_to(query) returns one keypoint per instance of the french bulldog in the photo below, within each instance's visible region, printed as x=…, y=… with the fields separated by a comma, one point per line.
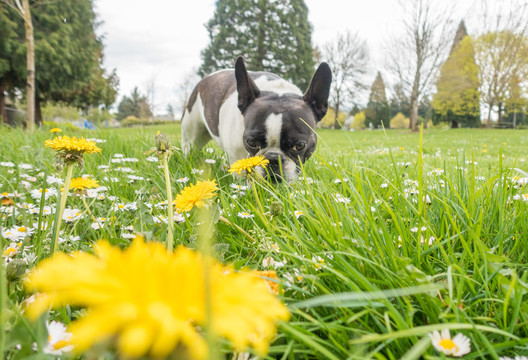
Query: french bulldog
x=257, y=113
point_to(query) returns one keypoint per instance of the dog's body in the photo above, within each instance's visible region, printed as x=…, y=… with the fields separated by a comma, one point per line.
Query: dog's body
x=257, y=113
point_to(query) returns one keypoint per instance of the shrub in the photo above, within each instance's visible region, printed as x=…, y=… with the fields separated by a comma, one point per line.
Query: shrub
x=399, y=121
x=131, y=120
x=328, y=120
x=359, y=121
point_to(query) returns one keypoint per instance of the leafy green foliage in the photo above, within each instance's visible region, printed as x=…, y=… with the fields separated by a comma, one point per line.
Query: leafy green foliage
x=68, y=55
x=272, y=36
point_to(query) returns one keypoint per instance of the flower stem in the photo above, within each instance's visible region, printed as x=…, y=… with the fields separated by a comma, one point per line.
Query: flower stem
x=225, y=221
x=87, y=208
x=62, y=205
x=170, y=207
x=257, y=197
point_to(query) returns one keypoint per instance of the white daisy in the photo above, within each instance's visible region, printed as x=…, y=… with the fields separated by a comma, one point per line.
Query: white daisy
x=58, y=339
x=70, y=215
x=36, y=194
x=7, y=164
x=182, y=180
x=152, y=159
x=245, y=215
x=458, y=346
x=298, y=213
x=210, y=161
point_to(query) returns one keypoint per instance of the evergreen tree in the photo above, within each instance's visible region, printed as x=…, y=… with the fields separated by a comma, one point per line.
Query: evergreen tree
x=377, y=111
x=135, y=105
x=11, y=65
x=457, y=99
x=68, y=56
x=399, y=102
x=272, y=35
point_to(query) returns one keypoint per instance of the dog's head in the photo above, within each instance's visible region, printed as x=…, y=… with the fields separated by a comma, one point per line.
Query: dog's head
x=281, y=127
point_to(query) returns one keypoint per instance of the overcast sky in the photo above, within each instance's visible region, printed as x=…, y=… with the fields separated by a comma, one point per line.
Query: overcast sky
x=161, y=40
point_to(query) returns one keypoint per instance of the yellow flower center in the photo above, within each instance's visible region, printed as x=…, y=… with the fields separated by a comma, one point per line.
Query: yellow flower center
x=448, y=344
x=121, y=206
x=22, y=229
x=5, y=194
x=9, y=252
x=60, y=344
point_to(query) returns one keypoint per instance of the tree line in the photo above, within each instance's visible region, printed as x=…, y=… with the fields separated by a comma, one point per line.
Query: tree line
x=435, y=69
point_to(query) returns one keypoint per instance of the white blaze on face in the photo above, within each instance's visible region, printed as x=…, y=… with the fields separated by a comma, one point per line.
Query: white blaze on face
x=273, y=129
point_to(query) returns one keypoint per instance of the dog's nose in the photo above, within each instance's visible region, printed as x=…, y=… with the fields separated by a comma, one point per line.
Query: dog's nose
x=274, y=166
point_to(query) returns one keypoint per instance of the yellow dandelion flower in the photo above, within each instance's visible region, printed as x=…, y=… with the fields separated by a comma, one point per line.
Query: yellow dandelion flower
x=82, y=183
x=248, y=164
x=72, y=145
x=55, y=130
x=156, y=310
x=270, y=274
x=194, y=195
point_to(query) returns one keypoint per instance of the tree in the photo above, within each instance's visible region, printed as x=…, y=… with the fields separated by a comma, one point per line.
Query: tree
x=416, y=55
x=136, y=105
x=8, y=44
x=503, y=61
x=68, y=56
x=272, y=35
x=348, y=57
x=399, y=102
x=24, y=11
x=501, y=52
x=457, y=98
x=377, y=112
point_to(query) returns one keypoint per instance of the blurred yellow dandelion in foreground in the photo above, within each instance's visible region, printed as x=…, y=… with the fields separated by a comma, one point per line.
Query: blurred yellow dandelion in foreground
x=195, y=194
x=248, y=164
x=82, y=183
x=156, y=309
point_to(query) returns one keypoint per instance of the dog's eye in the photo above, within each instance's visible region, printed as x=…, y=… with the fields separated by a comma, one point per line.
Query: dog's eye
x=299, y=146
x=252, y=143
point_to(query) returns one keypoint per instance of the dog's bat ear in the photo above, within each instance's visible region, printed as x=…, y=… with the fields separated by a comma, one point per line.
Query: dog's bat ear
x=247, y=89
x=318, y=91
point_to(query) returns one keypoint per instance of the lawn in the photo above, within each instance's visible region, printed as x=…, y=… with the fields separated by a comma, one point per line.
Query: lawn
x=386, y=237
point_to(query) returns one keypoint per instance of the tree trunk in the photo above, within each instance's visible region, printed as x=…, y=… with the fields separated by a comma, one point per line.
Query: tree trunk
x=3, y=110
x=500, y=114
x=515, y=118
x=454, y=124
x=337, y=125
x=30, y=56
x=488, y=125
x=38, y=111
x=413, y=124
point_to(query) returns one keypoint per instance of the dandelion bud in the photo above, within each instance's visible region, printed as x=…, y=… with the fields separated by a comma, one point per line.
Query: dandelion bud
x=162, y=142
x=276, y=208
x=15, y=269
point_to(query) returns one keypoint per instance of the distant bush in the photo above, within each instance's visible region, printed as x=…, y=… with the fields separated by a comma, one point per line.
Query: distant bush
x=399, y=121
x=359, y=121
x=64, y=126
x=131, y=120
x=328, y=120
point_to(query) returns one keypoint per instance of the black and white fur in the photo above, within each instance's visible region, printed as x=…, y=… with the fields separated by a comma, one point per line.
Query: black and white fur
x=257, y=113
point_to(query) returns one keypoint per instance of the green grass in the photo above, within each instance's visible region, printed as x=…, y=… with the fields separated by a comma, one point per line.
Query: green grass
x=430, y=234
